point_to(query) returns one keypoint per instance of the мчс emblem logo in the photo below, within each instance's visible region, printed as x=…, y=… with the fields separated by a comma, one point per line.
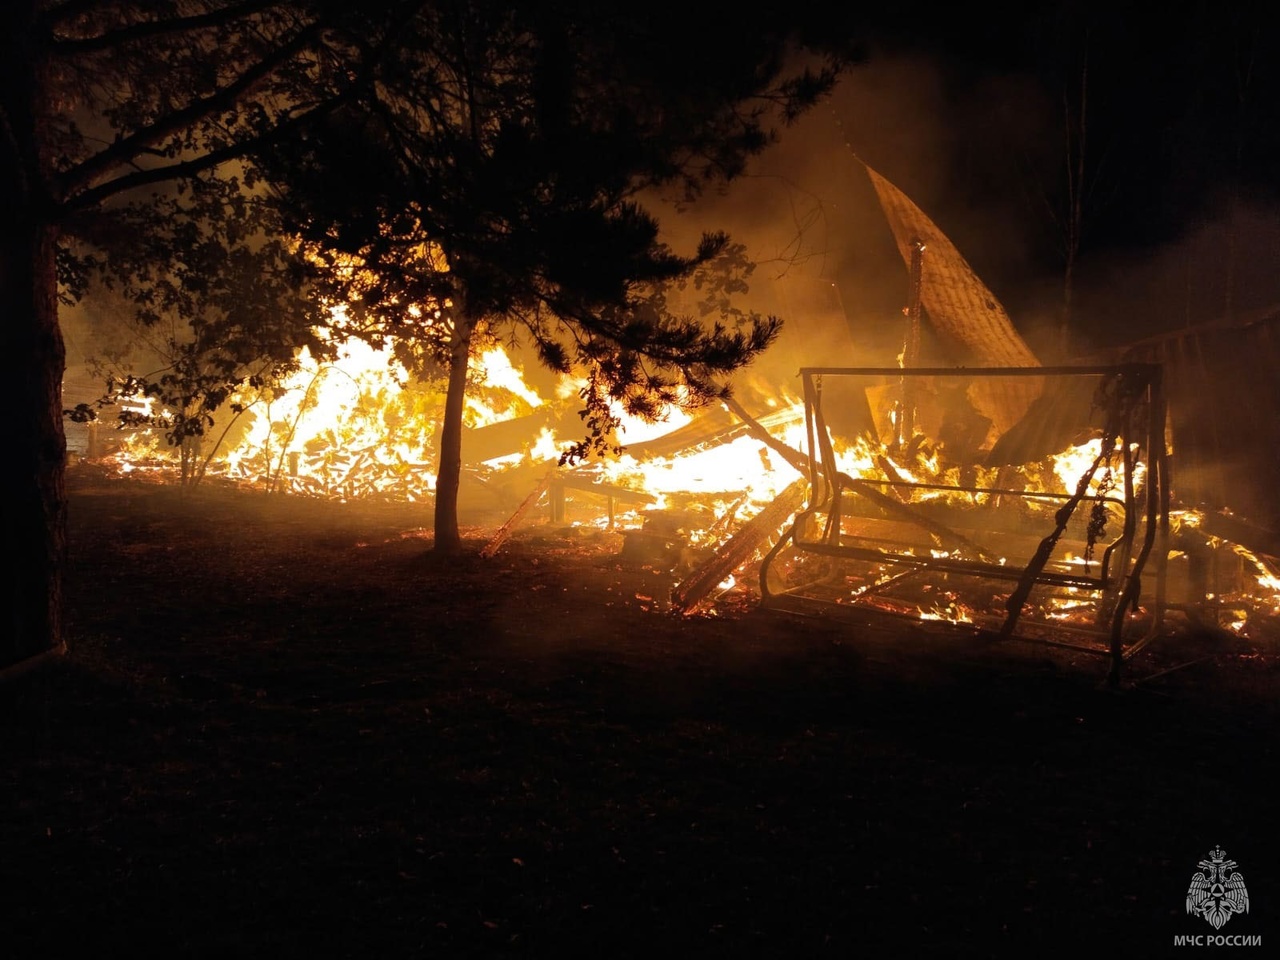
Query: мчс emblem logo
x=1217, y=890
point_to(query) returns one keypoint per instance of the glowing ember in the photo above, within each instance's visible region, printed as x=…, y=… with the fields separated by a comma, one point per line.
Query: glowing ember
x=359, y=427
x=951, y=613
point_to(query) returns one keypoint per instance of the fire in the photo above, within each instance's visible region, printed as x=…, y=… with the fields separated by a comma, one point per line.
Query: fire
x=1074, y=462
x=1253, y=594
x=499, y=375
x=341, y=429
x=347, y=428
x=633, y=430
x=359, y=427
x=356, y=426
x=743, y=465
x=953, y=612
x=1263, y=576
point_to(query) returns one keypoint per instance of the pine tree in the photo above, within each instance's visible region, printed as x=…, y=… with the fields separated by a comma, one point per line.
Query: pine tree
x=493, y=183
x=504, y=122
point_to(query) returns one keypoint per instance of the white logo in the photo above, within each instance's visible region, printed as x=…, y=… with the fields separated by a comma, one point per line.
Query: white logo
x=1217, y=890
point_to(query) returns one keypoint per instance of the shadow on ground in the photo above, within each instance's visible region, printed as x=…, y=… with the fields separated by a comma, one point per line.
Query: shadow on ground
x=286, y=730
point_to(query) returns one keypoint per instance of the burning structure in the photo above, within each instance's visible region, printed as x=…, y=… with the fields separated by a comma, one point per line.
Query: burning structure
x=968, y=528
x=1030, y=501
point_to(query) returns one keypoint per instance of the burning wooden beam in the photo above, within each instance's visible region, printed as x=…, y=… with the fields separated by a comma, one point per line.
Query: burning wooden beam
x=793, y=456
x=505, y=531
x=556, y=482
x=737, y=549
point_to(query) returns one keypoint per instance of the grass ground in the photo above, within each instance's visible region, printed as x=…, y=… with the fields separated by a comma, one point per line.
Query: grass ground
x=286, y=730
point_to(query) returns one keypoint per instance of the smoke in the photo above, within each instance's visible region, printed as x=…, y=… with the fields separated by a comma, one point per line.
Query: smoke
x=827, y=261
x=1222, y=269
x=983, y=153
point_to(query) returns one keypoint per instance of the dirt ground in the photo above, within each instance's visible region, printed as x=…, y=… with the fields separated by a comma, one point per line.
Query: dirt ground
x=286, y=729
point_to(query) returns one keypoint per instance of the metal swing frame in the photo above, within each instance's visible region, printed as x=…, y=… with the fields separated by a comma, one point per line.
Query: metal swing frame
x=828, y=526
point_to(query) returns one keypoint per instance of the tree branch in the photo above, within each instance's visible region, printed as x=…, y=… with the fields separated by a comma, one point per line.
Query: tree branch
x=207, y=161
x=125, y=148
x=144, y=29
x=54, y=15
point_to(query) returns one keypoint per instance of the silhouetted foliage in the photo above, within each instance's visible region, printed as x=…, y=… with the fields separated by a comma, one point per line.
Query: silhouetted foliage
x=491, y=177
x=98, y=101
x=221, y=302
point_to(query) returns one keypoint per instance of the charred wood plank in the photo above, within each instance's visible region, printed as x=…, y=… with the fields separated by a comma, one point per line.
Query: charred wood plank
x=735, y=551
x=504, y=531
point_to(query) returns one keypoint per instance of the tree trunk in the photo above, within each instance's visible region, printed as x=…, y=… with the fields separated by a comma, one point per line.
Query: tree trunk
x=449, y=468
x=1065, y=345
x=35, y=509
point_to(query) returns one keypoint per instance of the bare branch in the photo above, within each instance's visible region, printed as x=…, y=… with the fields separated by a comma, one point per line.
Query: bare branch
x=125, y=148
x=207, y=161
x=54, y=15
x=145, y=29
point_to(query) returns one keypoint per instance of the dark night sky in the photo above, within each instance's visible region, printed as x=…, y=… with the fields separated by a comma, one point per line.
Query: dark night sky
x=962, y=107
x=1172, y=95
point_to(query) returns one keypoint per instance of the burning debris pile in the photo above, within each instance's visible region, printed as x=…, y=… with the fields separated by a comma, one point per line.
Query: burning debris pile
x=1022, y=499
x=1059, y=528
x=357, y=427
x=1022, y=535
